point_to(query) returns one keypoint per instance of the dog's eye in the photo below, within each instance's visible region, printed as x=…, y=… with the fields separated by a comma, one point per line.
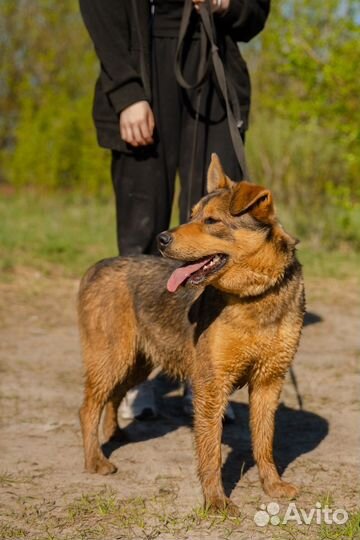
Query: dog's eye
x=211, y=221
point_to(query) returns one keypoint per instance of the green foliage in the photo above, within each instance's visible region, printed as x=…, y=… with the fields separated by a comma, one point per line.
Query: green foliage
x=306, y=68
x=48, y=69
x=54, y=150
x=304, y=141
x=309, y=178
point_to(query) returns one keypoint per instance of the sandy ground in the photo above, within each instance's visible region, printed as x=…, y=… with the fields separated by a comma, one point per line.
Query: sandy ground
x=44, y=493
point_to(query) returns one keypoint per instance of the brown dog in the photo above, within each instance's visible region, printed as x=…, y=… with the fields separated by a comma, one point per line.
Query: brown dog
x=230, y=314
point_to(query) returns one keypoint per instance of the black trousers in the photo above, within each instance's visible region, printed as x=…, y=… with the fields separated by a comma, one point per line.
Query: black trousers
x=144, y=180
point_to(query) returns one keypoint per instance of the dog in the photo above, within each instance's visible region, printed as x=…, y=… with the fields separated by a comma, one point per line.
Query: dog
x=224, y=308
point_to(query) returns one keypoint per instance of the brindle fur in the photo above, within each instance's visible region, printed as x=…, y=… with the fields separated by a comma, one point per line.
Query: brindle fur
x=241, y=326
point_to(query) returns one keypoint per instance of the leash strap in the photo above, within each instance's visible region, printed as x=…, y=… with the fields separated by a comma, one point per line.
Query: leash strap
x=210, y=54
x=204, y=62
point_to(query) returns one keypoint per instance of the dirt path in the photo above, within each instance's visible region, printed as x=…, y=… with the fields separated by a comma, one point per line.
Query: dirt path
x=45, y=495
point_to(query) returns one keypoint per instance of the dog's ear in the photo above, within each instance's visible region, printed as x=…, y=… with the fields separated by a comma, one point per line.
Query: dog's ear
x=254, y=199
x=216, y=178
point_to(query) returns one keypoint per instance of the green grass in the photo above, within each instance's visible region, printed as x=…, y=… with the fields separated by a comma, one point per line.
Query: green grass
x=349, y=531
x=103, y=514
x=340, y=264
x=57, y=232
x=9, y=531
x=6, y=479
x=61, y=233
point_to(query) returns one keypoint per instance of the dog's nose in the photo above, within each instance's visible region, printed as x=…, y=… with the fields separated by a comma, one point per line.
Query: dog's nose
x=164, y=239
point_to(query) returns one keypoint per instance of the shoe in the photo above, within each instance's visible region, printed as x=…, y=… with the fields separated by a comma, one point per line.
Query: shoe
x=188, y=407
x=139, y=403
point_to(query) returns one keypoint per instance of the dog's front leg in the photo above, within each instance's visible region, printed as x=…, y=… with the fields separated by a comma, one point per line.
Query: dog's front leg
x=210, y=400
x=264, y=398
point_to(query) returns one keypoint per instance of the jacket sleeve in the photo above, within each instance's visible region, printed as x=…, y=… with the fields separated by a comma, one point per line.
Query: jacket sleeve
x=107, y=24
x=244, y=19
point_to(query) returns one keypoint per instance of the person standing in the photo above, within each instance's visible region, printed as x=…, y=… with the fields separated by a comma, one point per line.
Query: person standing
x=153, y=126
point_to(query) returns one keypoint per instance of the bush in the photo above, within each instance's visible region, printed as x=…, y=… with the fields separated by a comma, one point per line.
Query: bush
x=48, y=69
x=56, y=147
x=305, y=168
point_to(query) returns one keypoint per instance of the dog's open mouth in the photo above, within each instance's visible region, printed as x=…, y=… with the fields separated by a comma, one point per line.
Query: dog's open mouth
x=196, y=271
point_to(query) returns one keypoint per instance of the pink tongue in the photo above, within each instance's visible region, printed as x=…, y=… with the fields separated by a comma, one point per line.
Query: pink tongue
x=182, y=273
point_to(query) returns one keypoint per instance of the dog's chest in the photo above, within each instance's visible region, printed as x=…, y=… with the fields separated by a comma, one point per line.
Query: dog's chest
x=239, y=339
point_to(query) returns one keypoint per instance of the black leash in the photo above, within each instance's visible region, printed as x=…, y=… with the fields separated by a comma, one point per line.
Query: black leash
x=296, y=388
x=209, y=54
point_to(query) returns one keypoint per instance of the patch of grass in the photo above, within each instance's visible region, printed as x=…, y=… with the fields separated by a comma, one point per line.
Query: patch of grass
x=350, y=530
x=127, y=512
x=101, y=504
x=205, y=513
x=103, y=514
x=8, y=532
x=339, y=264
x=327, y=499
x=57, y=232
x=7, y=479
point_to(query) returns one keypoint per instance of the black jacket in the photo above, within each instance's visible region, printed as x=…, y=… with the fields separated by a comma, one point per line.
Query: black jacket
x=120, y=31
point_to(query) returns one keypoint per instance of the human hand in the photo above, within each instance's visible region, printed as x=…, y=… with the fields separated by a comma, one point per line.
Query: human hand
x=137, y=124
x=217, y=6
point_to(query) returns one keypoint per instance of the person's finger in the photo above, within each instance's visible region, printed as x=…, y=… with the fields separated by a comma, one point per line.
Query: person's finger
x=123, y=132
x=145, y=132
x=216, y=5
x=126, y=133
x=130, y=137
x=197, y=4
x=137, y=135
x=150, y=123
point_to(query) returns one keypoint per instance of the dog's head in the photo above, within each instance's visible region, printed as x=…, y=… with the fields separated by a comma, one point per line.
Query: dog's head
x=233, y=240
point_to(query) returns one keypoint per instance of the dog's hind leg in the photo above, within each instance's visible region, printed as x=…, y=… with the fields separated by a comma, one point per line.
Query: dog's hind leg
x=90, y=412
x=106, y=388
x=263, y=404
x=110, y=427
x=108, y=334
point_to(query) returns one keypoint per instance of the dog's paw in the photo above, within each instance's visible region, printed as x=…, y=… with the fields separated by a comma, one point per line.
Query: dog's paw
x=280, y=489
x=224, y=506
x=101, y=466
